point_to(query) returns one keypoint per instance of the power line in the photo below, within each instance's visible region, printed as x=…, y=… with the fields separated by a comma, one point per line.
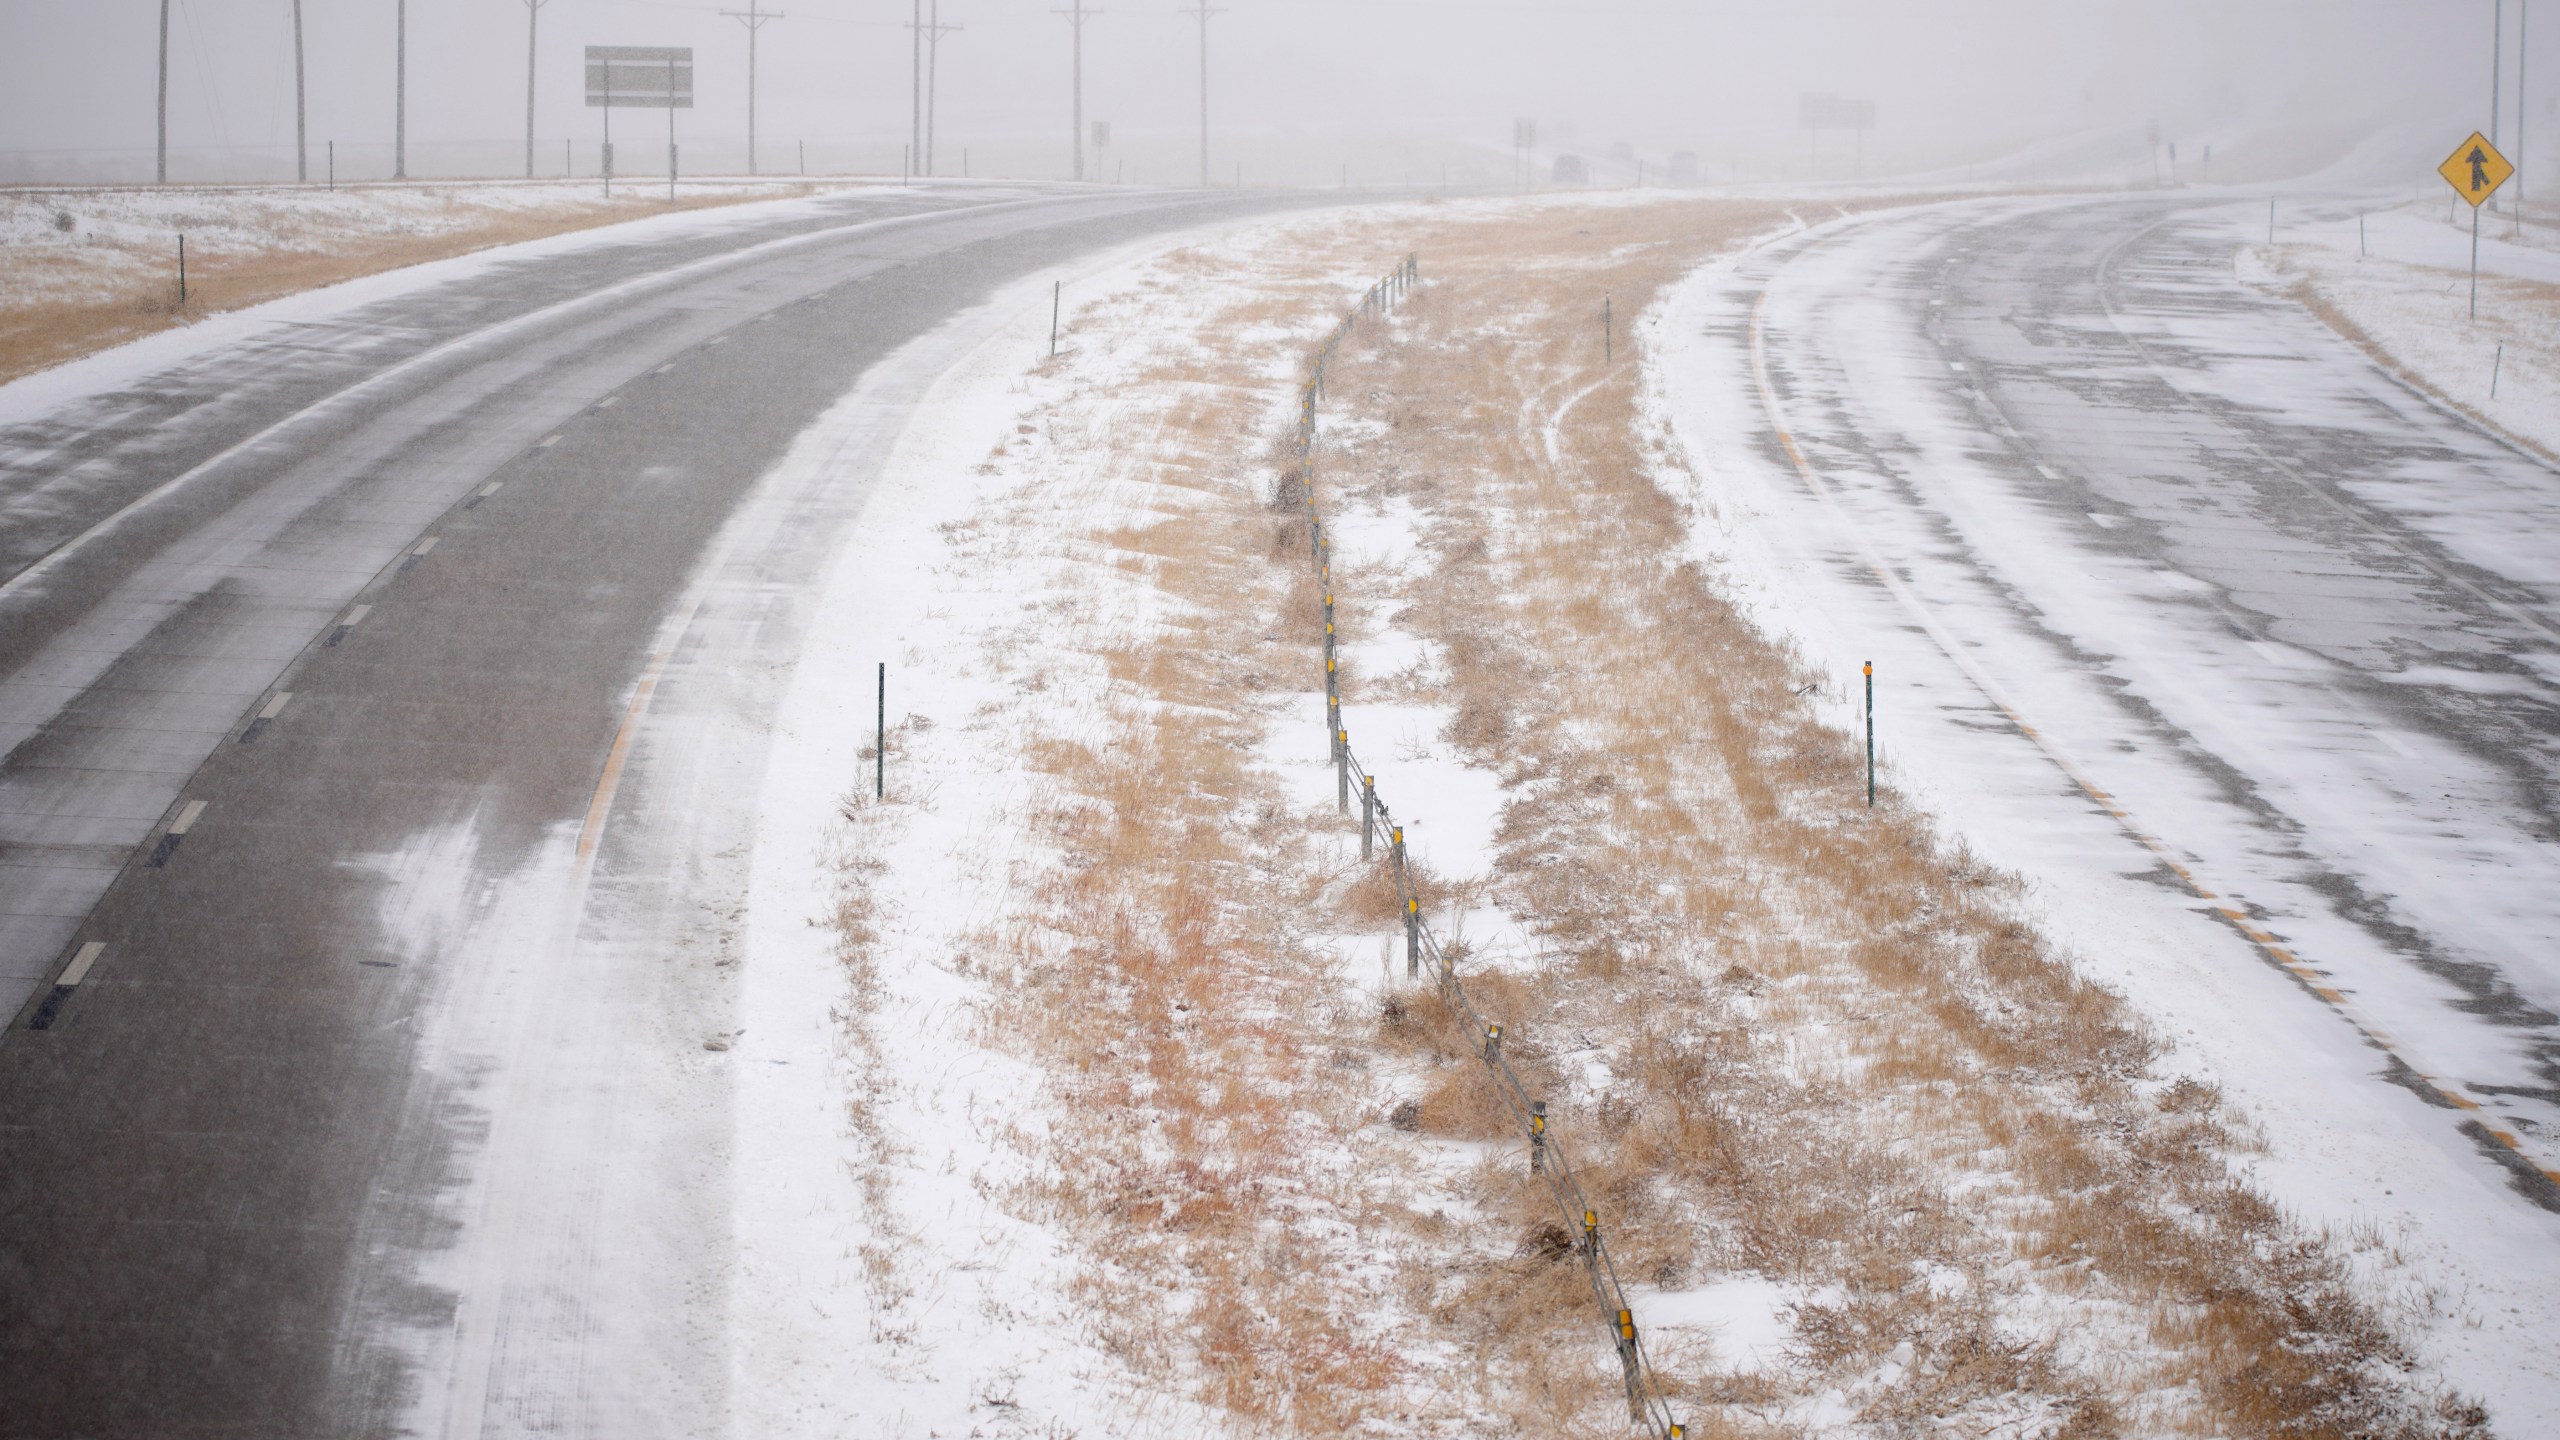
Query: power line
x=754, y=19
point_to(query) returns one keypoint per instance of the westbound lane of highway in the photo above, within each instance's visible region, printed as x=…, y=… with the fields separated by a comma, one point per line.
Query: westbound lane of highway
x=419, y=609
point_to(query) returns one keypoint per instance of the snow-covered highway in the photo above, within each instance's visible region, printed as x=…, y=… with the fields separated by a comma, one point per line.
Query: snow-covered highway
x=2244, y=652
x=358, y=596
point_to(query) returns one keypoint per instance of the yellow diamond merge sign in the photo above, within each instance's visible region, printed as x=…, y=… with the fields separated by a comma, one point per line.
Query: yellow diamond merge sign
x=2476, y=169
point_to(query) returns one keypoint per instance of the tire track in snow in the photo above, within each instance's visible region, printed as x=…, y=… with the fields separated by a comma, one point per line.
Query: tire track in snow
x=2226, y=906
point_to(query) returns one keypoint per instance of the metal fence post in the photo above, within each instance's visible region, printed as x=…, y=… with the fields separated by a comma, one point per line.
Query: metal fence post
x=1626, y=1328
x=1547, y=1161
x=1870, y=667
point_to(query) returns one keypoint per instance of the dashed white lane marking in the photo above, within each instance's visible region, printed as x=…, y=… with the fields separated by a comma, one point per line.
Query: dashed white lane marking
x=78, y=970
x=187, y=817
x=608, y=402
x=715, y=340
x=491, y=488
x=356, y=613
x=546, y=442
x=275, y=707
x=663, y=369
x=425, y=545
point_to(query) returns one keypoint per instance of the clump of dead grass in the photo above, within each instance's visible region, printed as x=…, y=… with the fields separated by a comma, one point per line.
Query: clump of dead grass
x=1908, y=1100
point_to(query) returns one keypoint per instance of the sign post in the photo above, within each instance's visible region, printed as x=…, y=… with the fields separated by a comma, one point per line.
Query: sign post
x=647, y=76
x=1816, y=113
x=2475, y=170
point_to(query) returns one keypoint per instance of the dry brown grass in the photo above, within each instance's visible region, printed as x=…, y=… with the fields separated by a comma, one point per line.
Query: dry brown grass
x=1841, y=1057
x=1837, y=1056
x=858, y=868
x=1211, y=1172
x=37, y=333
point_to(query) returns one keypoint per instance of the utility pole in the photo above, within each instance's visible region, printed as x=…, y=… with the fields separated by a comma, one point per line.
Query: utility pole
x=1076, y=18
x=400, y=98
x=2497, y=62
x=2524, y=16
x=301, y=131
x=915, y=93
x=164, y=92
x=934, y=31
x=754, y=19
x=1201, y=9
x=532, y=13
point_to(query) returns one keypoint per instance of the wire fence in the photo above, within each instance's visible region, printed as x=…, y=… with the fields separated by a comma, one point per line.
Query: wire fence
x=1548, y=1162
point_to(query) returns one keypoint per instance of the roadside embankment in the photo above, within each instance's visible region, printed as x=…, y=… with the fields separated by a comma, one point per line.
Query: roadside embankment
x=82, y=270
x=2397, y=283
x=1131, y=1066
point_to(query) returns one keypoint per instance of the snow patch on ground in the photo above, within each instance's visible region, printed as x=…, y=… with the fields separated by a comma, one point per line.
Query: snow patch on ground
x=2402, y=275
x=87, y=244
x=2451, y=1254
x=35, y=396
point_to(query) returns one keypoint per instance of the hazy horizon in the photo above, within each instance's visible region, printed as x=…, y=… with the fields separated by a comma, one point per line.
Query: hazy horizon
x=1300, y=92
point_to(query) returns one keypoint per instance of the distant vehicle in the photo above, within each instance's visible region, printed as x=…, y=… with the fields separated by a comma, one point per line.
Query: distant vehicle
x=1684, y=168
x=1571, y=171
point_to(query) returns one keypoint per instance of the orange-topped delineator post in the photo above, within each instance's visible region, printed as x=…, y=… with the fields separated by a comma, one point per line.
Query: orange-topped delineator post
x=1871, y=734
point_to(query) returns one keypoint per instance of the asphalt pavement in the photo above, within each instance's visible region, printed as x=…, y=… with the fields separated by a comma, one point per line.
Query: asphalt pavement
x=2291, y=622
x=269, y=616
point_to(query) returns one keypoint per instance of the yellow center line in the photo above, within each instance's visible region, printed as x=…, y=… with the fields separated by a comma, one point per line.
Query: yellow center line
x=601, y=803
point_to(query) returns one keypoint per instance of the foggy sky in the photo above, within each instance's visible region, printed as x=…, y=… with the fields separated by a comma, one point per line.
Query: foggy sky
x=1296, y=85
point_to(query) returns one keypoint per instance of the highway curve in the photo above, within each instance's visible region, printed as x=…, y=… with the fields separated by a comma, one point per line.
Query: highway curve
x=279, y=622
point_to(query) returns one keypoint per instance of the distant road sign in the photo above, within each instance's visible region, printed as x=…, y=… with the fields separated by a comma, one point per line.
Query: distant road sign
x=1826, y=111
x=2476, y=169
x=642, y=76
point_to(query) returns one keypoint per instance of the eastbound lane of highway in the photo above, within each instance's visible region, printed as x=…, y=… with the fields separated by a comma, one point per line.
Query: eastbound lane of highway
x=218, y=1168
x=2292, y=624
